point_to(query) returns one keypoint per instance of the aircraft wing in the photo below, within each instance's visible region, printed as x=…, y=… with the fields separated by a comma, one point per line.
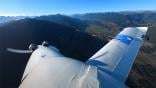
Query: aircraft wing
x=118, y=56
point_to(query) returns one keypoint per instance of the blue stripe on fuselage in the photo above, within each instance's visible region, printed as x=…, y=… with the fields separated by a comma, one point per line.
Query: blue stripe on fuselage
x=124, y=38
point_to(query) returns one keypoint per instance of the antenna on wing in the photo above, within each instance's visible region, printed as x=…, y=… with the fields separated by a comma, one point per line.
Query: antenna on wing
x=147, y=37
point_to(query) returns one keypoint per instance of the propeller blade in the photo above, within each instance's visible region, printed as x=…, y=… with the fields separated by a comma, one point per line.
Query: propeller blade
x=18, y=51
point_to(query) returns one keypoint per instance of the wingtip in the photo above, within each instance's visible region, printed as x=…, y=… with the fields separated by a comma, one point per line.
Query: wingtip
x=143, y=29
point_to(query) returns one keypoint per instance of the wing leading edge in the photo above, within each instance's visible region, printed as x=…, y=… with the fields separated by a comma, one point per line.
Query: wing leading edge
x=118, y=56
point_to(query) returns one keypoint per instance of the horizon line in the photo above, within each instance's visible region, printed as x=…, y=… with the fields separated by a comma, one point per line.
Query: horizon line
x=28, y=15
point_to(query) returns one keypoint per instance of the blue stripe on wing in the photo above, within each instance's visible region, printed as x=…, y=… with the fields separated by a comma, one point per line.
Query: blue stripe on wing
x=95, y=63
x=124, y=38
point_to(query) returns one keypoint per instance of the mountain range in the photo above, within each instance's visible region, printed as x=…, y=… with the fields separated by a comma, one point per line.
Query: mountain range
x=77, y=36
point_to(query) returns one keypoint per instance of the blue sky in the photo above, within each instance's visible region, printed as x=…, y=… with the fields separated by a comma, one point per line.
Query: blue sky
x=45, y=7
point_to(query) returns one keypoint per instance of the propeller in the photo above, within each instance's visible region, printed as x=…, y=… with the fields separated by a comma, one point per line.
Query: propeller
x=32, y=47
x=19, y=51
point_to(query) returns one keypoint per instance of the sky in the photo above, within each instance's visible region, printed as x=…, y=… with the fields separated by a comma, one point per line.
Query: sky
x=47, y=7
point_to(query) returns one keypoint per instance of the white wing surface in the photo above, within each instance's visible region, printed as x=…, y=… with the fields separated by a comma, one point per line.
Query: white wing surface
x=117, y=57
